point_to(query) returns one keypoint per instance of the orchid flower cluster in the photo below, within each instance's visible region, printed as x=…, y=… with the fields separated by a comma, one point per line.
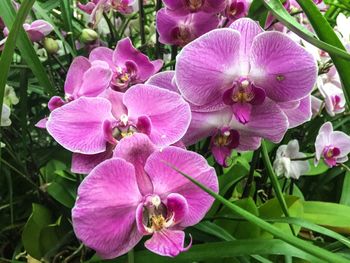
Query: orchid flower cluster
x=128, y=125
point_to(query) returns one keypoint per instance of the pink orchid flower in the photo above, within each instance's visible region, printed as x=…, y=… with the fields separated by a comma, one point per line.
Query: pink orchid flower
x=129, y=66
x=245, y=68
x=180, y=29
x=36, y=31
x=332, y=146
x=93, y=126
x=137, y=193
x=84, y=78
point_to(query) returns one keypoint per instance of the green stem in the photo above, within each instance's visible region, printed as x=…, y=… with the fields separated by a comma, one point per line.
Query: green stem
x=131, y=256
x=158, y=44
x=250, y=179
x=304, y=158
x=142, y=19
x=111, y=28
x=274, y=181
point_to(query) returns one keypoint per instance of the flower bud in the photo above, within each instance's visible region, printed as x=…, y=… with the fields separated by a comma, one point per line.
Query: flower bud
x=88, y=35
x=51, y=45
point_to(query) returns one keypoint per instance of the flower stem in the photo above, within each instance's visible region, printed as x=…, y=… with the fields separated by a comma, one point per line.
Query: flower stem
x=158, y=44
x=131, y=256
x=304, y=158
x=142, y=22
x=250, y=179
x=110, y=27
x=274, y=182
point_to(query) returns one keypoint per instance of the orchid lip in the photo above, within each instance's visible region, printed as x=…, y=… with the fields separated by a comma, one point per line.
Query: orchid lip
x=155, y=215
x=194, y=5
x=125, y=76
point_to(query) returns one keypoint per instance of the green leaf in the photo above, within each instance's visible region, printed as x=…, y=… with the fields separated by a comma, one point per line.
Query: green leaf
x=277, y=9
x=321, y=168
x=40, y=235
x=272, y=209
x=211, y=252
x=240, y=229
x=59, y=191
x=39, y=219
x=318, y=252
x=67, y=16
x=345, y=195
x=9, y=49
x=257, y=11
x=8, y=14
x=330, y=215
x=325, y=32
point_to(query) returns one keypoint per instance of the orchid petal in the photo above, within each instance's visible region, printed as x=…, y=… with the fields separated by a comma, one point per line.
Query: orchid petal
x=78, y=125
x=170, y=115
x=136, y=149
x=167, y=242
x=282, y=67
x=214, y=61
x=104, y=213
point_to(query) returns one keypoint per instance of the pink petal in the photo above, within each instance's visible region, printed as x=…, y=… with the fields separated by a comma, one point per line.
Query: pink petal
x=41, y=124
x=167, y=242
x=266, y=120
x=78, y=125
x=104, y=213
x=55, y=102
x=104, y=54
x=95, y=81
x=205, y=124
x=75, y=74
x=125, y=52
x=248, y=143
x=177, y=207
x=38, y=30
x=242, y=112
x=116, y=99
x=220, y=154
x=249, y=29
x=136, y=149
x=164, y=80
x=342, y=141
x=84, y=163
x=174, y=4
x=166, y=180
x=323, y=139
x=42, y=26
x=300, y=114
x=282, y=67
x=208, y=66
x=170, y=115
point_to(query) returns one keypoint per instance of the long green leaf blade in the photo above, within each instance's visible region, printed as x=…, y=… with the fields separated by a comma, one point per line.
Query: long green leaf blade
x=277, y=9
x=7, y=12
x=9, y=49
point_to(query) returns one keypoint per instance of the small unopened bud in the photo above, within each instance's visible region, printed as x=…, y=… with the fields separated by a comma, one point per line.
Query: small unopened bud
x=50, y=45
x=88, y=35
